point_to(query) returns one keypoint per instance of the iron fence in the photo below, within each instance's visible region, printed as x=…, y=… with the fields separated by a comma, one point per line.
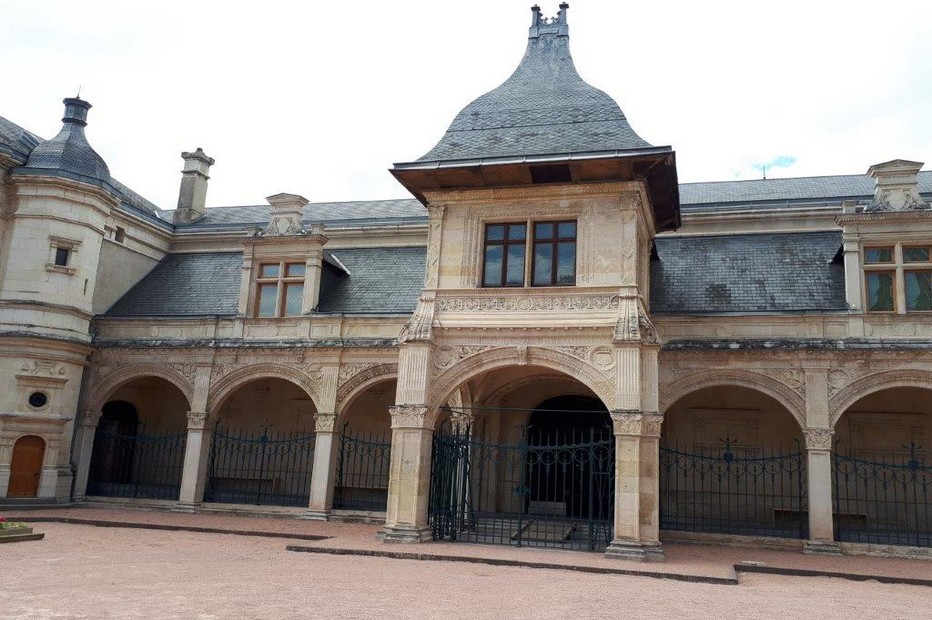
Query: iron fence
x=885, y=498
x=361, y=481
x=140, y=466
x=260, y=467
x=724, y=493
x=554, y=491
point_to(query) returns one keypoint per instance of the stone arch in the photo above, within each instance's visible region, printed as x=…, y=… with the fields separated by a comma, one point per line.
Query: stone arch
x=361, y=381
x=124, y=375
x=875, y=382
x=780, y=392
x=501, y=357
x=231, y=382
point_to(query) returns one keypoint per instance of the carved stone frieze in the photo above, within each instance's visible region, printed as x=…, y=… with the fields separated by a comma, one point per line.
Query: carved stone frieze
x=43, y=368
x=197, y=420
x=637, y=423
x=526, y=304
x=409, y=416
x=818, y=438
x=324, y=422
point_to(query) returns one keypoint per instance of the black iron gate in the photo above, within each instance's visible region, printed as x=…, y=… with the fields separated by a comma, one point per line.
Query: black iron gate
x=555, y=491
x=141, y=466
x=260, y=467
x=725, y=493
x=885, y=499
x=362, y=471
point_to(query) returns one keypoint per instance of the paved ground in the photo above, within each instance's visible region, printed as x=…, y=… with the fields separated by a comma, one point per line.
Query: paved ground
x=81, y=571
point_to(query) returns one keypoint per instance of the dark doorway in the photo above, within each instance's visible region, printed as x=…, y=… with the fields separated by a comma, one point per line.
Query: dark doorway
x=118, y=423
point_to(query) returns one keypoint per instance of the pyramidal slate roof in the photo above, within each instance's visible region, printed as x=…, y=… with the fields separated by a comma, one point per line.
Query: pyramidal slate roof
x=69, y=151
x=544, y=108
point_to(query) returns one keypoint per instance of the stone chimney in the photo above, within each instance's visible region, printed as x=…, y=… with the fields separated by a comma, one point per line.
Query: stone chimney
x=896, y=187
x=192, y=197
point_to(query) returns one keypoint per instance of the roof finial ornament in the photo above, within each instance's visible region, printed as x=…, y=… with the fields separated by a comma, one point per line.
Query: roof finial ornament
x=553, y=26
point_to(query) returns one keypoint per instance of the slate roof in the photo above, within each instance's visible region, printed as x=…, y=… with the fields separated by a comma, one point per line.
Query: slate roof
x=543, y=108
x=383, y=281
x=16, y=141
x=738, y=194
x=791, y=272
x=186, y=285
x=69, y=151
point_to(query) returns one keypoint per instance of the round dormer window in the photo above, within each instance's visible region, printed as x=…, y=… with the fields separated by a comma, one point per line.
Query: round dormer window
x=38, y=400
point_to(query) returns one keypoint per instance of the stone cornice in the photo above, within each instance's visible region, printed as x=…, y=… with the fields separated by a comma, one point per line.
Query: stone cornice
x=479, y=196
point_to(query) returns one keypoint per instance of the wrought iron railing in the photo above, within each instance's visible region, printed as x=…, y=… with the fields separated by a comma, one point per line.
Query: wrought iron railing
x=555, y=492
x=884, y=499
x=258, y=466
x=752, y=496
x=141, y=466
x=361, y=481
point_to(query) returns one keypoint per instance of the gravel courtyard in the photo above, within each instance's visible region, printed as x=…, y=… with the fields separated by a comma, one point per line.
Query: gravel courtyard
x=80, y=571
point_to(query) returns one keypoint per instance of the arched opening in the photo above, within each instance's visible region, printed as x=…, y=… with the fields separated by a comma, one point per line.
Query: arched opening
x=262, y=446
x=528, y=461
x=362, y=467
x=26, y=466
x=732, y=461
x=882, y=469
x=140, y=440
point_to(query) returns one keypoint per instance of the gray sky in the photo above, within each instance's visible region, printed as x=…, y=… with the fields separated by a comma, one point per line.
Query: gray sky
x=320, y=98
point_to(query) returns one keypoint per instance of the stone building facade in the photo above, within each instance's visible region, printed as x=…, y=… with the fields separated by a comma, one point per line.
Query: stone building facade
x=749, y=359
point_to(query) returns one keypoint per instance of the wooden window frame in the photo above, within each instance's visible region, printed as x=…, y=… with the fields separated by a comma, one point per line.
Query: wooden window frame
x=898, y=266
x=554, y=244
x=505, y=243
x=281, y=282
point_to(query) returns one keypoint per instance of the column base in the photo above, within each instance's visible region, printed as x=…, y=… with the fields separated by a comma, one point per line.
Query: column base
x=405, y=534
x=187, y=507
x=822, y=547
x=635, y=551
x=316, y=515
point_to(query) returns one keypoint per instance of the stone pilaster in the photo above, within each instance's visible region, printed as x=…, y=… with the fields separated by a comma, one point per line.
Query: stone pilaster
x=409, y=475
x=819, y=471
x=194, y=473
x=322, y=475
x=637, y=498
x=84, y=445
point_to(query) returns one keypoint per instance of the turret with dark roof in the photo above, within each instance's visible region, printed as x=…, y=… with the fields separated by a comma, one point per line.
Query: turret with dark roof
x=69, y=151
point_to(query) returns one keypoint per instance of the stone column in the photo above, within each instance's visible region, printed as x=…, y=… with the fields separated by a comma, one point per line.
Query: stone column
x=637, y=498
x=409, y=475
x=196, y=454
x=819, y=482
x=326, y=450
x=84, y=445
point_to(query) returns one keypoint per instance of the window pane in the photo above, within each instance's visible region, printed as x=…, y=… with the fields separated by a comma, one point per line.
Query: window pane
x=543, y=230
x=268, y=271
x=268, y=298
x=493, y=265
x=495, y=232
x=543, y=264
x=61, y=257
x=567, y=230
x=918, y=290
x=517, y=232
x=916, y=255
x=515, y=275
x=878, y=255
x=566, y=263
x=293, y=297
x=293, y=270
x=880, y=291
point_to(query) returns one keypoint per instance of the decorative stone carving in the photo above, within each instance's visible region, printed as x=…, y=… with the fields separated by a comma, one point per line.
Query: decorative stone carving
x=633, y=324
x=353, y=375
x=197, y=420
x=420, y=326
x=434, y=234
x=896, y=187
x=818, y=438
x=409, y=416
x=837, y=379
x=527, y=304
x=637, y=423
x=446, y=356
x=324, y=422
x=43, y=368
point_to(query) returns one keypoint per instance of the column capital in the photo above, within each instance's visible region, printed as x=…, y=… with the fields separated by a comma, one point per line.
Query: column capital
x=197, y=420
x=462, y=421
x=818, y=438
x=636, y=423
x=324, y=422
x=409, y=416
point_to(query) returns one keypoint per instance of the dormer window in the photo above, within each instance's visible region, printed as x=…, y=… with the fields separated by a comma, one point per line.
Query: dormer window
x=898, y=278
x=279, y=289
x=549, y=260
